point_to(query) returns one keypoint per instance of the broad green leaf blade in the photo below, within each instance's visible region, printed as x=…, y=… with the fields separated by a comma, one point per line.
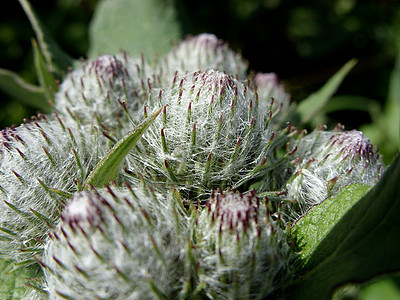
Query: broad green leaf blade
x=26, y=93
x=108, y=167
x=44, y=75
x=13, y=282
x=363, y=243
x=56, y=59
x=136, y=26
x=319, y=221
x=316, y=101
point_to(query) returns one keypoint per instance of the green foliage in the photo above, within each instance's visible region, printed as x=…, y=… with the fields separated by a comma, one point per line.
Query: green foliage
x=386, y=128
x=309, y=107
x=350, y=237
x=29, y=94
x=356, y=237
x=13, y=281
x=317, y=224
x=108, y=167
x=55, y=59
x=137, y=26
x=46, y=78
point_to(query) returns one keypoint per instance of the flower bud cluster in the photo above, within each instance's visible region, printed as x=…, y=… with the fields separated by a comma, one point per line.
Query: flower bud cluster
x=216, y=131
x=129, y=243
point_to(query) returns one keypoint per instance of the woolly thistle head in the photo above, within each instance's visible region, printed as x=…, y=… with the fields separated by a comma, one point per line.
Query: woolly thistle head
x=245, y=253
x=213, y=132
x=267, y=87
x=106, y=91
x=201, y=52
x=40, y=164
x=327, y=162
x=117, y=243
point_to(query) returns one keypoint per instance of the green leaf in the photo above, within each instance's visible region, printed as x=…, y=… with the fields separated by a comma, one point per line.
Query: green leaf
x=108, y=167
x=386, y=289
x=26, y=93
x=360, y=243
x=319, y=221
x=136, y=26
x=13, y=282
x=44, y=75
x=56, y=59
x=310, y=106
x=353, y=102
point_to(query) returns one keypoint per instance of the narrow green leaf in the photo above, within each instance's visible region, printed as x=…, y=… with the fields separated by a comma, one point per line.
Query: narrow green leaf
x=135, y=26
x=44, y=75
x=361, y=242
x=108, y=167
x=310, y=106
x=56, y=59
x=26, y=93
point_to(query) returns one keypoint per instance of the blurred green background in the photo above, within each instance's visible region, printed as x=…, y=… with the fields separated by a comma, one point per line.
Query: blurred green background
x=304, y=42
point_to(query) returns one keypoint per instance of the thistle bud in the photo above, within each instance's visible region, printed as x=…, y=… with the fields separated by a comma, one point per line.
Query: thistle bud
x=268, y=87
x=244, y=252
x=202, y=52
x=41, y=162
x=328, y=162
x=116, y=244
x=104, y=90
x=213, y=130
